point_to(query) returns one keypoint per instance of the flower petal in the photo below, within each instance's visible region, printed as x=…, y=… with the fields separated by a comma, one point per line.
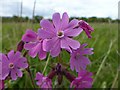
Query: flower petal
x=19, y=72
x=83, y=46
x=75, y=64
x=84, y=60
x=83, y=80
x=73, y=32
x=72, y=64
x=72, y=24
x=73, y=43
x=5, y=72
x=55, y=51
x=65, y=21
x=46, y=24
x=48, y=44
x=3, y=59
x=43, y=82
x=42, y=55
x=44, y=34
x=86, y=51
x=1, y=70
x=33, y=52
x=39, y=76
x=56, y=20
x=65, y=45
x=84, y=72
x=11, y=54
x=13, y=74
x=28, y=46
x=22, y=63
x=29, y=36
x=15, y=58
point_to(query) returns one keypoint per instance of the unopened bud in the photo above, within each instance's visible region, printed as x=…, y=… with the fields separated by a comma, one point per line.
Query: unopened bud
x=51, y=74
x=58, y=68
x=20, y=46
x=69, y=76
x=86, y=27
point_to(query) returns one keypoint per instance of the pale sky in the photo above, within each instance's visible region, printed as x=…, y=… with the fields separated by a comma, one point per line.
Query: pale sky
x=78, y=8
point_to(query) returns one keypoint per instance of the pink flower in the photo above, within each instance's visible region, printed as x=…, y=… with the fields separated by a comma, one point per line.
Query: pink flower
x=83, y=80
x=43, y=82
x=59, y=33
x=34, y=44
x=86, y=27
x=11, y=64
x=78, y=61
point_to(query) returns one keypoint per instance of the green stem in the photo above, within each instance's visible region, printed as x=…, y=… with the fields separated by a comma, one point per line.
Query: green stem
x=8, y=84
x=59, y=59
x=28, y=70
x=46, y=64
x=30, y=74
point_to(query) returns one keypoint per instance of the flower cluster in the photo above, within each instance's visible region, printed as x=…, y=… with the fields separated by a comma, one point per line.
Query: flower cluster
x=52, y=38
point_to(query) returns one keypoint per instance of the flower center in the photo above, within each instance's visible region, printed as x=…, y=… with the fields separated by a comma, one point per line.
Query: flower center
x=60, y=34
x=11, y=65
x=39, y=39
x=77, y=56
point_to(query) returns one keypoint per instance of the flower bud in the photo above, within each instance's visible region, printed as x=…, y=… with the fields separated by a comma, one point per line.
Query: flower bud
x=86, y=27
x=58, y=68
x=69, y=76
x=51, y=74
x=20, y=46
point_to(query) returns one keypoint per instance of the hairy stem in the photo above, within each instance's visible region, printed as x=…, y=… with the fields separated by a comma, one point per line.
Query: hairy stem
x=28, y=70
x=51, y=74
x=59, y=58
x=68, y=75
x=46, y=64
x=30, y=74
